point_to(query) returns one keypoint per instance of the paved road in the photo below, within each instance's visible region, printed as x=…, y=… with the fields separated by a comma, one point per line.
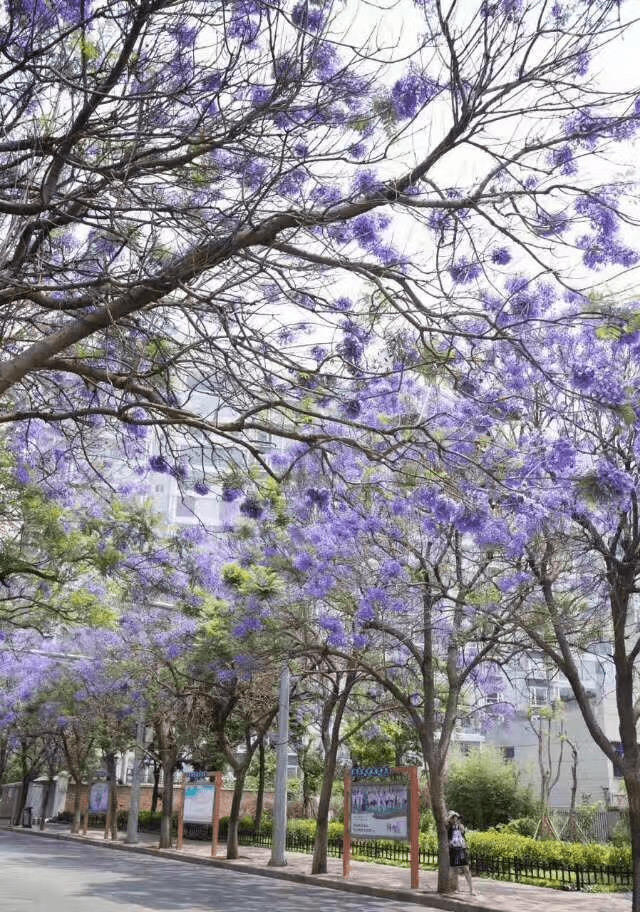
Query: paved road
x=42, y=875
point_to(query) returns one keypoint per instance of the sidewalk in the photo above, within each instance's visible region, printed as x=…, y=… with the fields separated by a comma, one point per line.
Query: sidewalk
x=379, y=880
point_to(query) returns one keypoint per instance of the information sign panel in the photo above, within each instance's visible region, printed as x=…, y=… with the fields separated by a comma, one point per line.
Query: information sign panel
x=99, y=797
x=198, y=802
x=379, y=811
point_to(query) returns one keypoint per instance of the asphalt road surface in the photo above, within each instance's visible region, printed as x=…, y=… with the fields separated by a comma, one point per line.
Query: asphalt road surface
x=46, y=875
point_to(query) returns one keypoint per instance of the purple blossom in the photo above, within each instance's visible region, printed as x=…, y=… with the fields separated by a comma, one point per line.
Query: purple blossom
x=352, y=408
x=230, y=491
x=465, y=271
x=303, y=562
x=500, y=256
x=562, y=160
x=365, y=613
x=21, y=474
x=179, y=471
x=335, y=629
x=251, y=507
x=309, y=18
x=320, y=586
x=411, y=93
x=318, y=497
x=367, y=182
x=158, y=464
x=611, y=482
x=261, y=96
x=247, y=626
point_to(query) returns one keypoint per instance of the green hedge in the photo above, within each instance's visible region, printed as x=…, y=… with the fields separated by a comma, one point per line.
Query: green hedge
x=507, y=846
x=490, y=844
x=532, y=851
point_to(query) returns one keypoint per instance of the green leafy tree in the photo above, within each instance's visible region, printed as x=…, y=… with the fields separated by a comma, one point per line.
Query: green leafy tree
x=486, y=790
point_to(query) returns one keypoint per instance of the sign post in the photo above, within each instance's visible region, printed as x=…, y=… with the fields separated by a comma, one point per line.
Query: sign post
x=382, y=802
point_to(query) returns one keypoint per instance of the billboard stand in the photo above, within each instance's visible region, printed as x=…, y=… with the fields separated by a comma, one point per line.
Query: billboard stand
x=377, y=806
x=181, y=814
x=200, y=804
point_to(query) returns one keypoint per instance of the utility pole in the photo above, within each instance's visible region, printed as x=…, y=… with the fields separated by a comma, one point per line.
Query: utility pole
x=278, y=843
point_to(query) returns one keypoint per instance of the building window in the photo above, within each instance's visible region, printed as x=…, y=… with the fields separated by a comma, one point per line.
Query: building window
x=538, y=696
x=508, y=753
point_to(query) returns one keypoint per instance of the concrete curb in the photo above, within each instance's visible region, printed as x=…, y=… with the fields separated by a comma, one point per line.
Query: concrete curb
x=434, y=900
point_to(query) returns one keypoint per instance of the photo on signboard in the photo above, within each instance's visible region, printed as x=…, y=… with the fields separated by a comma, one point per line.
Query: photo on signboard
x=379, y=811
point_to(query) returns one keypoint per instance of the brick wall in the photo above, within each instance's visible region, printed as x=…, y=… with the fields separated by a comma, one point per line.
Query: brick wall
x=248, y=805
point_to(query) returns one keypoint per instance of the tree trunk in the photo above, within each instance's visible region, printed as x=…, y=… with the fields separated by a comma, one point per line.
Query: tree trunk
x=260, y=795
x=111, y=820
x=156, y=787
x=447, y=880
x=77, y=805
x=234, y=816
x=307, y=794
x=330, y=743
x=632, y=783
x=320, y=845
x=167, y=805
x=22, y=802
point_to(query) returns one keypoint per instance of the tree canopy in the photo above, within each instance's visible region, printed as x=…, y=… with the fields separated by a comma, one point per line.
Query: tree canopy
x=193, y=195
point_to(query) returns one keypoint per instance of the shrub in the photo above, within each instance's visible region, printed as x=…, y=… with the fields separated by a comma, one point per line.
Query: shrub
x=621, y=834
x=486, y=790
x=549, y=852
x=427, y=822
x=301, y=827
x=523, y=826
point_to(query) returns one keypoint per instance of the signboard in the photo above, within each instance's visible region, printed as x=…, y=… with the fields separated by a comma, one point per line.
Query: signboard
x=99, y=797
x=382, y=810
x=379, y=811
x=198, y=802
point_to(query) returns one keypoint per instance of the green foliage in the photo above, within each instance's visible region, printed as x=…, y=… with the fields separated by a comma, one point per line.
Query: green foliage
x=621, y=835
x=550, y=851
x=427, y=822
x=523, y=826
x=302, y=828
x=254, y=580
x=385, y=749
x=486, y=790
x=294, y=789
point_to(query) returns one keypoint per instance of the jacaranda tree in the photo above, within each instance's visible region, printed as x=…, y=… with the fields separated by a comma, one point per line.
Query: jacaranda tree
x=553, y=455
x=391, y=571
x=191, y=192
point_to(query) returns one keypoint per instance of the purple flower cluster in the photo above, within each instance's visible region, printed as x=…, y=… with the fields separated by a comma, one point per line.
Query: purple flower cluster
x=500, y=256
x=411, y=93
x=252, y=508
x=307, y=16
x=465, y=271
x=562, y=160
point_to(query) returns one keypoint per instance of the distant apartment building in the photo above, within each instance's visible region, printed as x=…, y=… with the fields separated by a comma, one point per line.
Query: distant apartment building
x=542, y=701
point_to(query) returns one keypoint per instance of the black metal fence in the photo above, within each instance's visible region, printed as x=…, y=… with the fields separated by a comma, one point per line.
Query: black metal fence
x=565, y=877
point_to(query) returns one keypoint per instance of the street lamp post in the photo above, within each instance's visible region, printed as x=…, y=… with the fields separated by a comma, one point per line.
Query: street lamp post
x=278, y=843
x=134, y=794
